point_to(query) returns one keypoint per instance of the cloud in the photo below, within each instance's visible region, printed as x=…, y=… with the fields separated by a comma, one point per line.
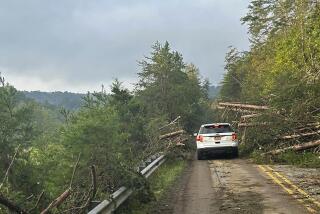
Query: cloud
x=75, y=44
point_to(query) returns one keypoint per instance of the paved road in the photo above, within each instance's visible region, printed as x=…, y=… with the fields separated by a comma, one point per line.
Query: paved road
x=234, y=186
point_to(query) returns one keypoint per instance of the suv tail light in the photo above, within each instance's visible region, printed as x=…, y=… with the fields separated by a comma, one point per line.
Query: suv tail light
x=199, y=138
x=234, y=136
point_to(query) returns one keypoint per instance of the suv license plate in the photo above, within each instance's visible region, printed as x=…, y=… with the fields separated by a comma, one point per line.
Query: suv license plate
x=217, y=138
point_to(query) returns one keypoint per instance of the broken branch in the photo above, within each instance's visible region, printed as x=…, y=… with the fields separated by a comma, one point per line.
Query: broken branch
x=11, y=163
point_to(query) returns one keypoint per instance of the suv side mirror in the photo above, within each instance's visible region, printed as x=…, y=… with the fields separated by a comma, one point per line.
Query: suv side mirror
x=195, y=134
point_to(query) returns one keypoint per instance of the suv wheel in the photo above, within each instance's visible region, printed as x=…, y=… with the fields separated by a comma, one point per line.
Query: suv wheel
x=236, y=153
x=199, y=155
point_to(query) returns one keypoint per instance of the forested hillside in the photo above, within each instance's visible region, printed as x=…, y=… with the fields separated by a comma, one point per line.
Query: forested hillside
x=67, y=100
x=73, y=101
x=281, y=70
x=214, y=91
x=42, y=157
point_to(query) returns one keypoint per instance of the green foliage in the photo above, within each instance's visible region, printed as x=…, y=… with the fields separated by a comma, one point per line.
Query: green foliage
x=111, y=133
x=159, y=183
x=163, y=178
x=168, y=86
x=306, y=159
x=281, y=70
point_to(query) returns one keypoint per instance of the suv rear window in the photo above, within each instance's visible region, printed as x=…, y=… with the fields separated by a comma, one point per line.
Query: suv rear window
x=215, y=129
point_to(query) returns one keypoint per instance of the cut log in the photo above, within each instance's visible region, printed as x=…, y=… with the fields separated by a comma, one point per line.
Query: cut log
x=298, y=147
x=243, y=106
x=299, y=135
x=172, y=134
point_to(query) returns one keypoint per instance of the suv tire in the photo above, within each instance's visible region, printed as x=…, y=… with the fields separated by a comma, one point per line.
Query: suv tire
x=236, y=152
x=199, y=155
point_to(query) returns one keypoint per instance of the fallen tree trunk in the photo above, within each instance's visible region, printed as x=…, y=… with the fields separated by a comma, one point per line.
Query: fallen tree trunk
x=244, y=117
x=244, y=106
x=298, y=147
x=58, y=201
x=11, y=206
x=307, y=127
x=172, y=134
x=299, y=135
x=238, y=110
x=253, y=124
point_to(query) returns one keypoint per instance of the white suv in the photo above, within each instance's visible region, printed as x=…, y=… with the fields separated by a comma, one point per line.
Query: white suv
x=216, y=138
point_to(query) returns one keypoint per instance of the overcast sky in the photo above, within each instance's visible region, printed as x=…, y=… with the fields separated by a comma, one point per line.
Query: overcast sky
x=77, y=45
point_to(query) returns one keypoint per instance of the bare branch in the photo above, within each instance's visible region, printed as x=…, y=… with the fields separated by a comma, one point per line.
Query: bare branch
x=93, y=181
x=74, y=170
x=11, y=163
x=38, y=201
x=171, y=123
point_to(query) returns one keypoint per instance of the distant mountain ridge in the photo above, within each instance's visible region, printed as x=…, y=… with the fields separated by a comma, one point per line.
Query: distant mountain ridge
x=214, y=91
x=73, y=101
x=67, y=100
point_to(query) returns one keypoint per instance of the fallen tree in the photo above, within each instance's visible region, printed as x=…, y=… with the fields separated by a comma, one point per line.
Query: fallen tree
x=243, y=106
x=298, y=147
x=244, y=117
x=238, y=110
x=172, y=134
x=287, y=137
x=253, y=124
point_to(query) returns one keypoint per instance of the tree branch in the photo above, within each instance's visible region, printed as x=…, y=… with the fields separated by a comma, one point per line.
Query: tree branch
x=11, y=163
x=11, y=206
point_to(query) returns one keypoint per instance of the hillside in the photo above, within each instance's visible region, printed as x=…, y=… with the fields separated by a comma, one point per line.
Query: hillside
x=68, y=100
x=214, y=91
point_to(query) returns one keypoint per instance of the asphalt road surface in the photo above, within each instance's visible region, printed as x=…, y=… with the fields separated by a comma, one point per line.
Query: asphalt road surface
x=236, y=186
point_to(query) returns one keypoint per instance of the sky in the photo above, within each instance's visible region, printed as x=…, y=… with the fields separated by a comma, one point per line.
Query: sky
x=78, y=45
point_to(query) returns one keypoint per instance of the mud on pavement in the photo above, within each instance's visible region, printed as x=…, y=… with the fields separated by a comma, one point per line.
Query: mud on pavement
x=227, y=186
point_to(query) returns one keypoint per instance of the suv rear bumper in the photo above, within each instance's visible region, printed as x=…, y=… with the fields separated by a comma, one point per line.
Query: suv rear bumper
x=218, y=150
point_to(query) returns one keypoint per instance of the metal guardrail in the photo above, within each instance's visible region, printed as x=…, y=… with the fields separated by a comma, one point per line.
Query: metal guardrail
x=118, y=197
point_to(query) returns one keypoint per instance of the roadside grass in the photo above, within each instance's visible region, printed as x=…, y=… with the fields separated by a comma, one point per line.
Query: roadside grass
x=159, y=182
x=301, y=159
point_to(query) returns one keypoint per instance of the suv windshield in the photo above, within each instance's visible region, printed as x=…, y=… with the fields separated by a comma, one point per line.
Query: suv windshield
x=215, y=129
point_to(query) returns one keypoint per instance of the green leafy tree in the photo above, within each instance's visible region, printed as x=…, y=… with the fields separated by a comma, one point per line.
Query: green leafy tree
x=168, y=87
